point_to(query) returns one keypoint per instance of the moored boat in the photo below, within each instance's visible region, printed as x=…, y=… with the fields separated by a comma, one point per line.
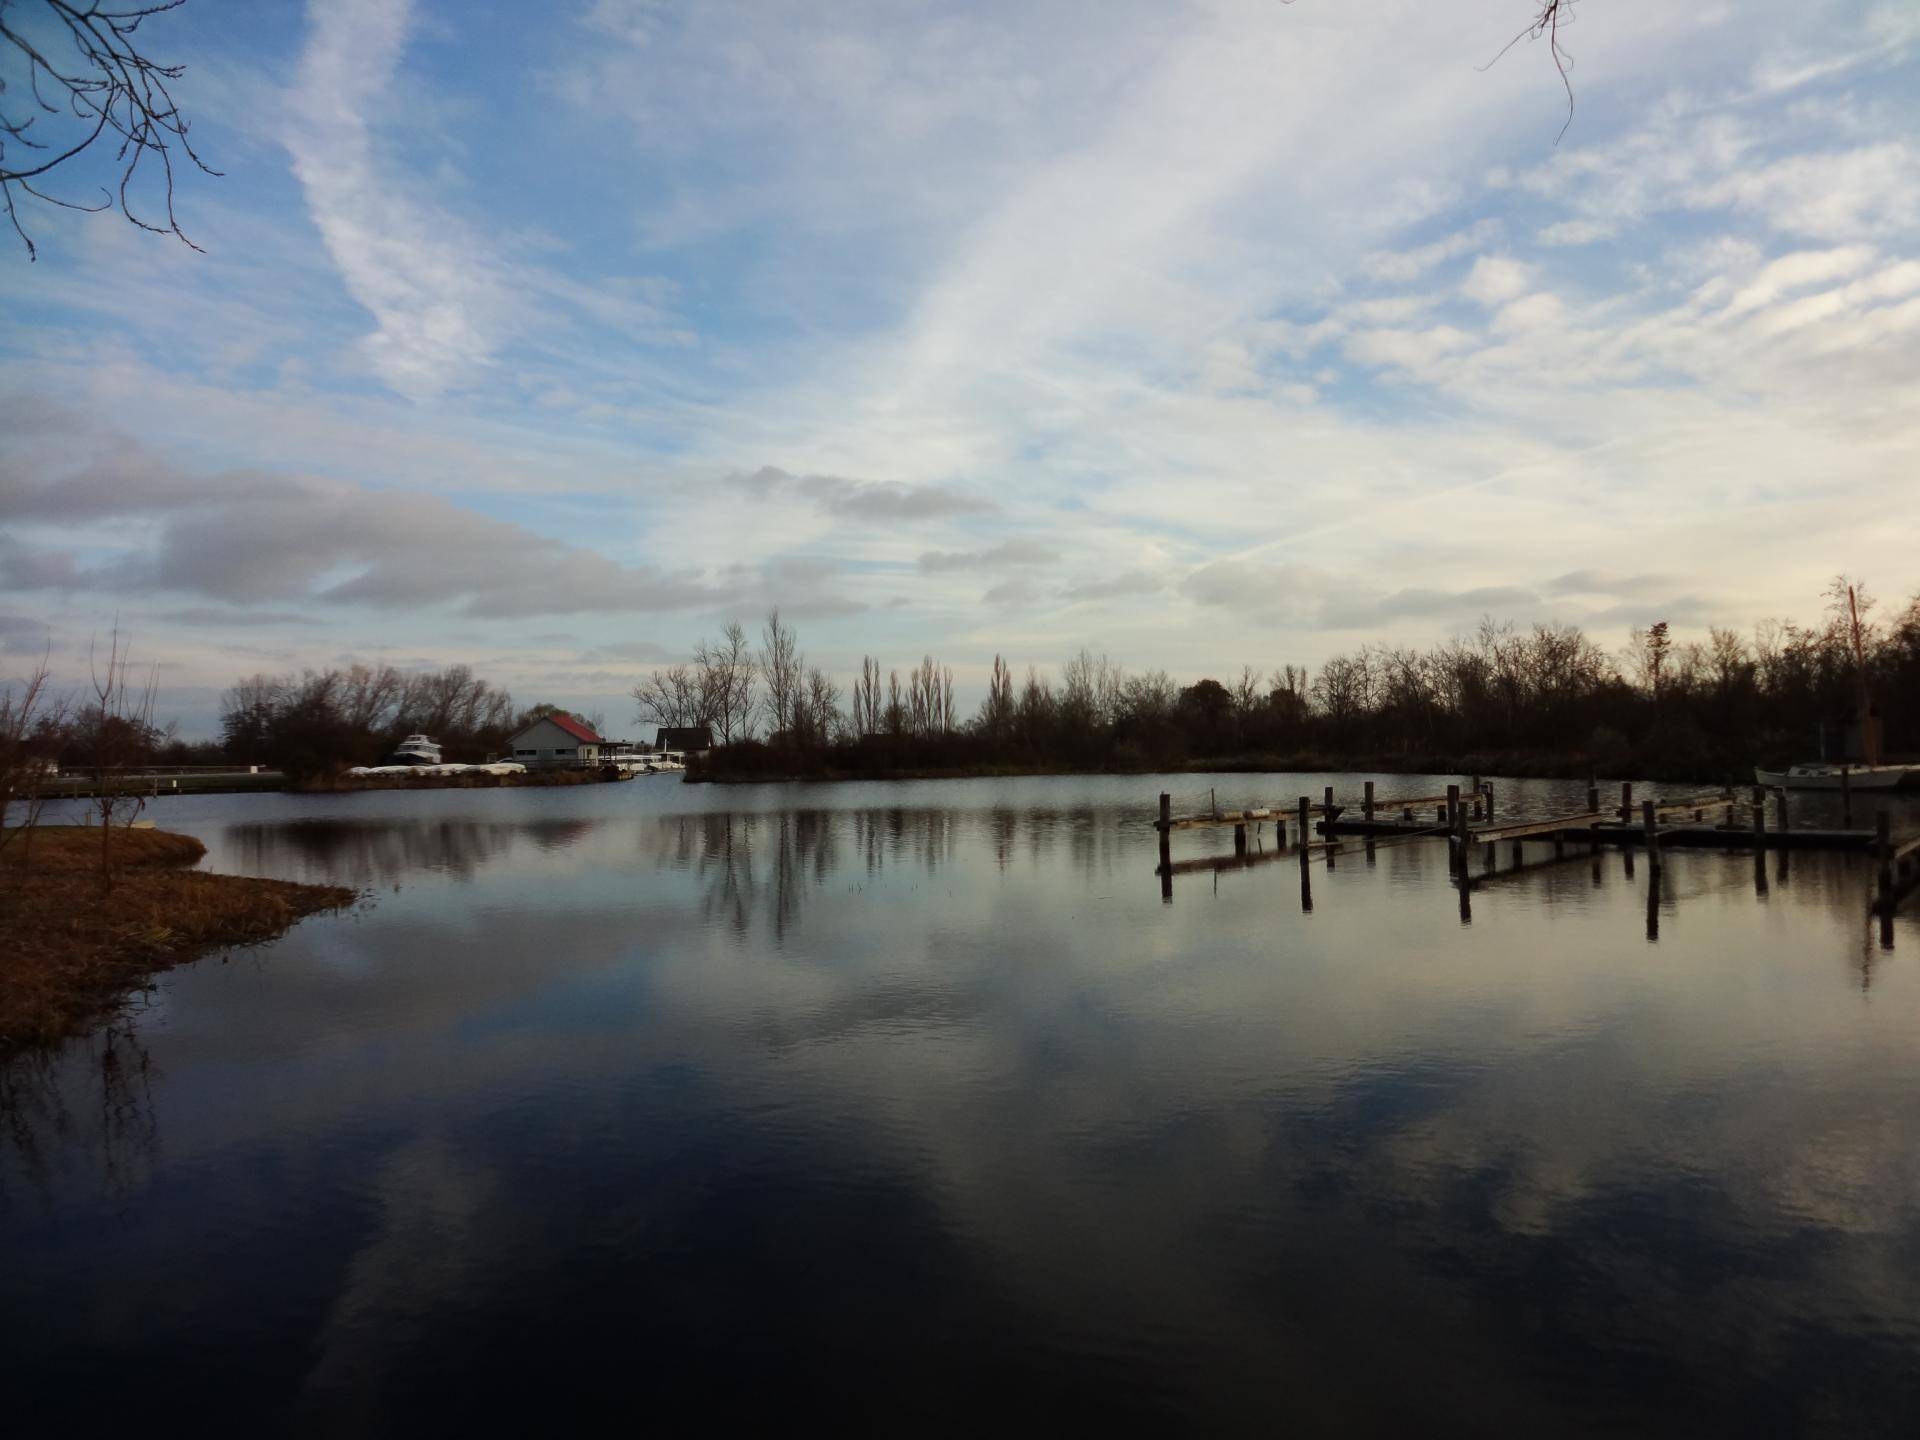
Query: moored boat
x=415, y=750
x=1823, y=776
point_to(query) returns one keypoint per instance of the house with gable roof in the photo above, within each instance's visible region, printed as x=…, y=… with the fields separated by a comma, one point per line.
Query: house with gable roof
x=557, y=742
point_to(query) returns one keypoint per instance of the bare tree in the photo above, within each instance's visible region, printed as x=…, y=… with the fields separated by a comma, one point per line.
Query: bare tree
x=817, y=718
x=997, y=710
x=671, y=698
x=726, y=673
x=895, y=717
x=119, y=733
x=866, y=697
x=782, y=668
x=25, y=706
x=78, y=76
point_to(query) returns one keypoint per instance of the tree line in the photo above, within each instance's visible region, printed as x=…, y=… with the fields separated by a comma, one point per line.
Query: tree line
x=1541, y=699
x=323, y=720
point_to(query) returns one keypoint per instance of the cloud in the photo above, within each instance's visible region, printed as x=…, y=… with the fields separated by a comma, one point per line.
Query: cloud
x=1113, y=587
x=1606, y=582
x=1401, y=266
x=1358, y=610
x=1496, y=279
x=1018, y=590
x=1007, y=554
x=246, y=539
x=1575, y=232
x=874, y=500
x=24, y=567
x=244, y=619
x=436, y=296
x=1869, y=191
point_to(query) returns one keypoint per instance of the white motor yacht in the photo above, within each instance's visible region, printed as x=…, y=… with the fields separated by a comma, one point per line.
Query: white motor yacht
x=415, y=750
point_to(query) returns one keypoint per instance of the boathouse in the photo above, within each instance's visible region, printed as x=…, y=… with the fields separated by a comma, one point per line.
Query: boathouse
x=684, y=739
x=556, y=742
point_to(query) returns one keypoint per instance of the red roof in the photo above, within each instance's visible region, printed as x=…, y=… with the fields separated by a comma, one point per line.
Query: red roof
x=574, y=728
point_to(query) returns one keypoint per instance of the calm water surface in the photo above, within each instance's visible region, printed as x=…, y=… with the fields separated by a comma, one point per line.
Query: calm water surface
x=915, y=1107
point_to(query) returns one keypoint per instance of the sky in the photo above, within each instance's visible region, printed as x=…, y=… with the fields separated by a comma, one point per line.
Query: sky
x=546, y=339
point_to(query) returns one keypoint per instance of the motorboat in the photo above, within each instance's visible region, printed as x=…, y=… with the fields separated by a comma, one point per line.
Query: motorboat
x=1821, y=775
x=415, y=750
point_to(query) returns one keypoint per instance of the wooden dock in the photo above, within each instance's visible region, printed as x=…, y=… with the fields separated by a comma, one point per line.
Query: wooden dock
x=1464, y=818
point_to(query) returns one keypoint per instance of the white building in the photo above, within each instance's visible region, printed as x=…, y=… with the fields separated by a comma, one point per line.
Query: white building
x=556, y=742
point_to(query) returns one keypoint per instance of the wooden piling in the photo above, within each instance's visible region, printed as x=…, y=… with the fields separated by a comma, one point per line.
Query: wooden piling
x=1453, y=809
x=1306, y=812
x=1782, y=817
x=1366, y=803
x=1489, y=794
x=1883, y=853
x=1846, y=799
x=1240, y=838
x=1626, y=802
x=1651, y=821
x=1759, y=818
x=1593, y=798
x=1166, y=812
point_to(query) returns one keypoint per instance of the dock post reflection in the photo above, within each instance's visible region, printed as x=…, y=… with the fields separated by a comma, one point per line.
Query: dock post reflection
x=1653, y=903
x=1306, y=882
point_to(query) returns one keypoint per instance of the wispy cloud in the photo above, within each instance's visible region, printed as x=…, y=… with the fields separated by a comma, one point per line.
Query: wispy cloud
x=435, y=293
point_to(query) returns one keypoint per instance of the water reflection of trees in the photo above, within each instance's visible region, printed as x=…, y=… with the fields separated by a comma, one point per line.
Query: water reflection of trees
x=362, y=852
x=765, y=862
x=93, y=1095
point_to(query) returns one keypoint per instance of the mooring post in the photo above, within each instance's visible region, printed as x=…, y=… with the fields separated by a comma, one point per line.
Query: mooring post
x=1328, y=810
x=1453, y=809
x=1782, y=819
x=1626, y=802
x=1366, y=803
x=1593, y=798
x=1306, y=807
x=1650, y=821
x=1883, y=850
x=1166, y=812
x=1759, y=818
x=1240, y=838
x=1489, y=802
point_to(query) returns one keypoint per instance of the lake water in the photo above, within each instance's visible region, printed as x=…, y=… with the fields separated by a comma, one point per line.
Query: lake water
x=917, y=1108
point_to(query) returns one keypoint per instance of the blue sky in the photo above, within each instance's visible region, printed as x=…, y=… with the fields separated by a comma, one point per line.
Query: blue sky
x=546, y=338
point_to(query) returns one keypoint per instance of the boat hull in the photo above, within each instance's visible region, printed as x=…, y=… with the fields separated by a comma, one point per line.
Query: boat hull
x=1878, y=777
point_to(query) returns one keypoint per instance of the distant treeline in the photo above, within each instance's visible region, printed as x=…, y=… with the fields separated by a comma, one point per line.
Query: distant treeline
x=324, y=720
x=1543, y=700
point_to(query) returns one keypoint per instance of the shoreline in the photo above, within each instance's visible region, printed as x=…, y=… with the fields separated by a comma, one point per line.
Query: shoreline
x=1499, y=765
x=73, y=955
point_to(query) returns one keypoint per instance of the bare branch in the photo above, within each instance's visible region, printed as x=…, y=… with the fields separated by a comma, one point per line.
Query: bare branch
x=99, y=77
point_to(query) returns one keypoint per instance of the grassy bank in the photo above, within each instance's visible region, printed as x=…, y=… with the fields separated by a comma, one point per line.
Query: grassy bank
x=71, y=954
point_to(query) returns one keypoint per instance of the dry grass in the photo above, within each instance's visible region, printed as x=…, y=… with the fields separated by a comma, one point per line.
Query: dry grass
x=77, y=847
x=71, y=954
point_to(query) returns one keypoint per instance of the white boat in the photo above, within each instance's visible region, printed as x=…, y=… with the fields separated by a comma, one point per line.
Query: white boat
x=1823, y=776
x=415, y=750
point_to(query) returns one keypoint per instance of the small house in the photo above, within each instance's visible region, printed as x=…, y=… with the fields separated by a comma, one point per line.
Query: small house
x=556, y=742
x=684, y=739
